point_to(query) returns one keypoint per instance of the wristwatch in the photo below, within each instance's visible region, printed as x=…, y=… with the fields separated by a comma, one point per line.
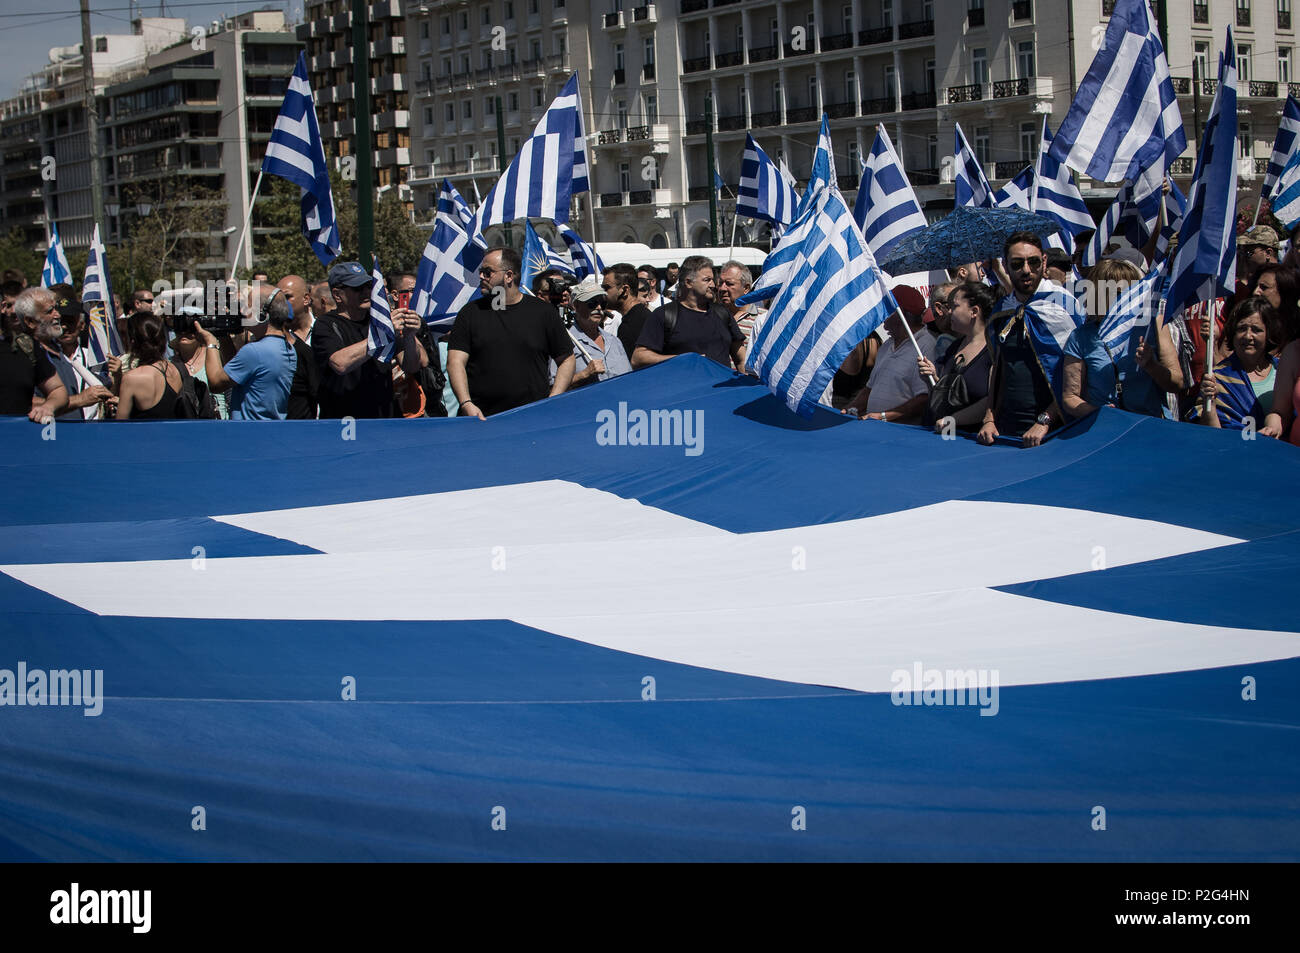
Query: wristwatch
x=1044, y=419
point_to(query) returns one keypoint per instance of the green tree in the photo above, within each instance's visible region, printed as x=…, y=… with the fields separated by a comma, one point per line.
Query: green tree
x=17, y=252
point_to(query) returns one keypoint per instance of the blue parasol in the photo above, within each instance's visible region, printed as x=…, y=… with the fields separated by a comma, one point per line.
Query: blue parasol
x=964, y=235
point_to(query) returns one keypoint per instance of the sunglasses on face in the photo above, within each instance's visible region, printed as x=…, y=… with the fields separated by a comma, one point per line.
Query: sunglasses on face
x=1034, y=263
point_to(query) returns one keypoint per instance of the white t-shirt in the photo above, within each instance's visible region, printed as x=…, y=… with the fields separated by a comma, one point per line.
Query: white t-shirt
x=895, y=380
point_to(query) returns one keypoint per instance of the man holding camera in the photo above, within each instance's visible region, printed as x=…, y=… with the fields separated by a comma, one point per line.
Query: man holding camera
x=261, y=373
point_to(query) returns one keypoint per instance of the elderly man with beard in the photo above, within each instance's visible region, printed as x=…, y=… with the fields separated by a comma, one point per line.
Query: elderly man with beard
x=25, y=365
x=599, y=354
x=61, y=339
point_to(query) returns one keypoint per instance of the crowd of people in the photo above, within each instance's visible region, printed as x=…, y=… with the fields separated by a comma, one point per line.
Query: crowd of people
x=968, y=358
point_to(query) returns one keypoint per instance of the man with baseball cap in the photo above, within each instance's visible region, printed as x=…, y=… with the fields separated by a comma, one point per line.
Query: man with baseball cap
x=599, y=355
x=1255, y=249
x=895, y=391
x=352, y=383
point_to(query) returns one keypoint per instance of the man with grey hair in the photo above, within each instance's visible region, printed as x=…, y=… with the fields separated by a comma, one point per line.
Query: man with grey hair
x=261, y=373
x=735, y=280
x=691, y=324
x=24, y=364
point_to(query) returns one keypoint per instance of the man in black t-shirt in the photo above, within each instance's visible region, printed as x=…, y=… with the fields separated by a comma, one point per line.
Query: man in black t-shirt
x=697, y=324
x=619, y=284
x=352, y=383
x=24, y=365
x=500, y=345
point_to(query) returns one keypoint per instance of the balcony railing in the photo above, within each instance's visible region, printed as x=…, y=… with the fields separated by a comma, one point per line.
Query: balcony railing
x=638, y=133
x=695, y=64
x=1010, y=87
x=608, y=199
x=1243, y=16
x=849, y=181
x=1201, y=13
x=613, y=20
x=1209, y=87
x=731, y=123
x=910, y=31
x=642, y=14
x=923, y=176
x=1022, y=10
x=640, y=197
x=881, y=104
x=841, y=110
x=1182, y=85
x=926, y=100
x=975, y=16
x=801, y=114
x=1181, y=166
x=772, y=118
x=697, y=127
x=880, y=34
x=839, y=41
x=690, y=6
x=791, y=50
x=1261, y=166
x=757, y=54
x=966, y=94
x=733, y=58
x=608, y=136
x=1007, y=170
x=1263, y=88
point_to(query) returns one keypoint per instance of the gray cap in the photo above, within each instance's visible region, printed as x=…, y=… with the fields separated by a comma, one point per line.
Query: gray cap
x=348, y=274
x=1130, y=255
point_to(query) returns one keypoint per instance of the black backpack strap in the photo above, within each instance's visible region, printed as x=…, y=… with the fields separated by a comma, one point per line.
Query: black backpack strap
x=670, y=321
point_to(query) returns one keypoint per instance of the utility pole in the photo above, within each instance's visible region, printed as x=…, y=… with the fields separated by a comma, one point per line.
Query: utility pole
x=365, y=150
x=501, y=160
x=713, y=192
x=92, y=120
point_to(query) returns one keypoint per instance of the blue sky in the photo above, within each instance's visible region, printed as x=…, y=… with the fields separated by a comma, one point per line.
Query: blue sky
x=29, y=29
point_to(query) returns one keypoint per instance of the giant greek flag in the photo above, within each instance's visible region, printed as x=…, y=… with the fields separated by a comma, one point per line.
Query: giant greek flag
x=940, y=651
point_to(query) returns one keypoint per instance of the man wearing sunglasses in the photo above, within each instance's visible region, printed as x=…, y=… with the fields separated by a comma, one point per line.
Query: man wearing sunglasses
x=500, y=348
x=1021, y=336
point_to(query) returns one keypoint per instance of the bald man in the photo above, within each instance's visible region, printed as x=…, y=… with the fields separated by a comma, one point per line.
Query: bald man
x=322, y=299
x=295, y=289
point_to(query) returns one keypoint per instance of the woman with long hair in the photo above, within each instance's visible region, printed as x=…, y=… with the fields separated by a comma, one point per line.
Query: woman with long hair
x=1242, y=386
x=962, y=391
x=150, y=390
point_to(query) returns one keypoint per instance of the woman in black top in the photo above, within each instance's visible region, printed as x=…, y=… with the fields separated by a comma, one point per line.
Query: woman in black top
x=963, y=389
x=150, y=391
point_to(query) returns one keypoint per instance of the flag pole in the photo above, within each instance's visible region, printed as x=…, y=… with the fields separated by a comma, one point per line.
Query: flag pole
x=899, y=312
x=248, y=220
x=585, y=353
x=1258, y=203
x=731, y=252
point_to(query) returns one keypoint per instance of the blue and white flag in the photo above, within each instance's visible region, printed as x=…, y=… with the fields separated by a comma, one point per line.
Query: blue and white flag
x=886, y=209
x=822, y=175
x=296, y=153
x=56, y=270
x=764, y=190
x=538, y=257
x=1135, y=309
x=1284, y=147
x=1057, y=197
x=585, y=260
x=1106, y=227
x=1205, y=265
x=971, y=187
x=381, y=340
x=717, y=177
x=1018, y=192
x=1051, y=315
x=1125, y=116
x=833, y=298
x=779, y=264
x=97, y=287
x=447, y=278
x=549, y=170
x=1286, y=204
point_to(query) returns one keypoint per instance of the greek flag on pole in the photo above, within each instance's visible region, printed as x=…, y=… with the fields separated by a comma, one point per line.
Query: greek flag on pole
x=550, y=168
x=835, y=297
x=381, y=341
x=822, y=175
x=1018, y=193
x=97, y=287
x=538, y=258
x=1284, y=147
x=1057, y=197
x=779, y=264
x=1125, y=116
x=764, y=191
x=1051, y=314
x=1205, y=265
x=1286, y=204
x=970, y=186
x=886, y=208
x=296, y=153
x=447, y=278
x=56, y=270
x=1135, y=308
x=585, y=260
x=1108, y=226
